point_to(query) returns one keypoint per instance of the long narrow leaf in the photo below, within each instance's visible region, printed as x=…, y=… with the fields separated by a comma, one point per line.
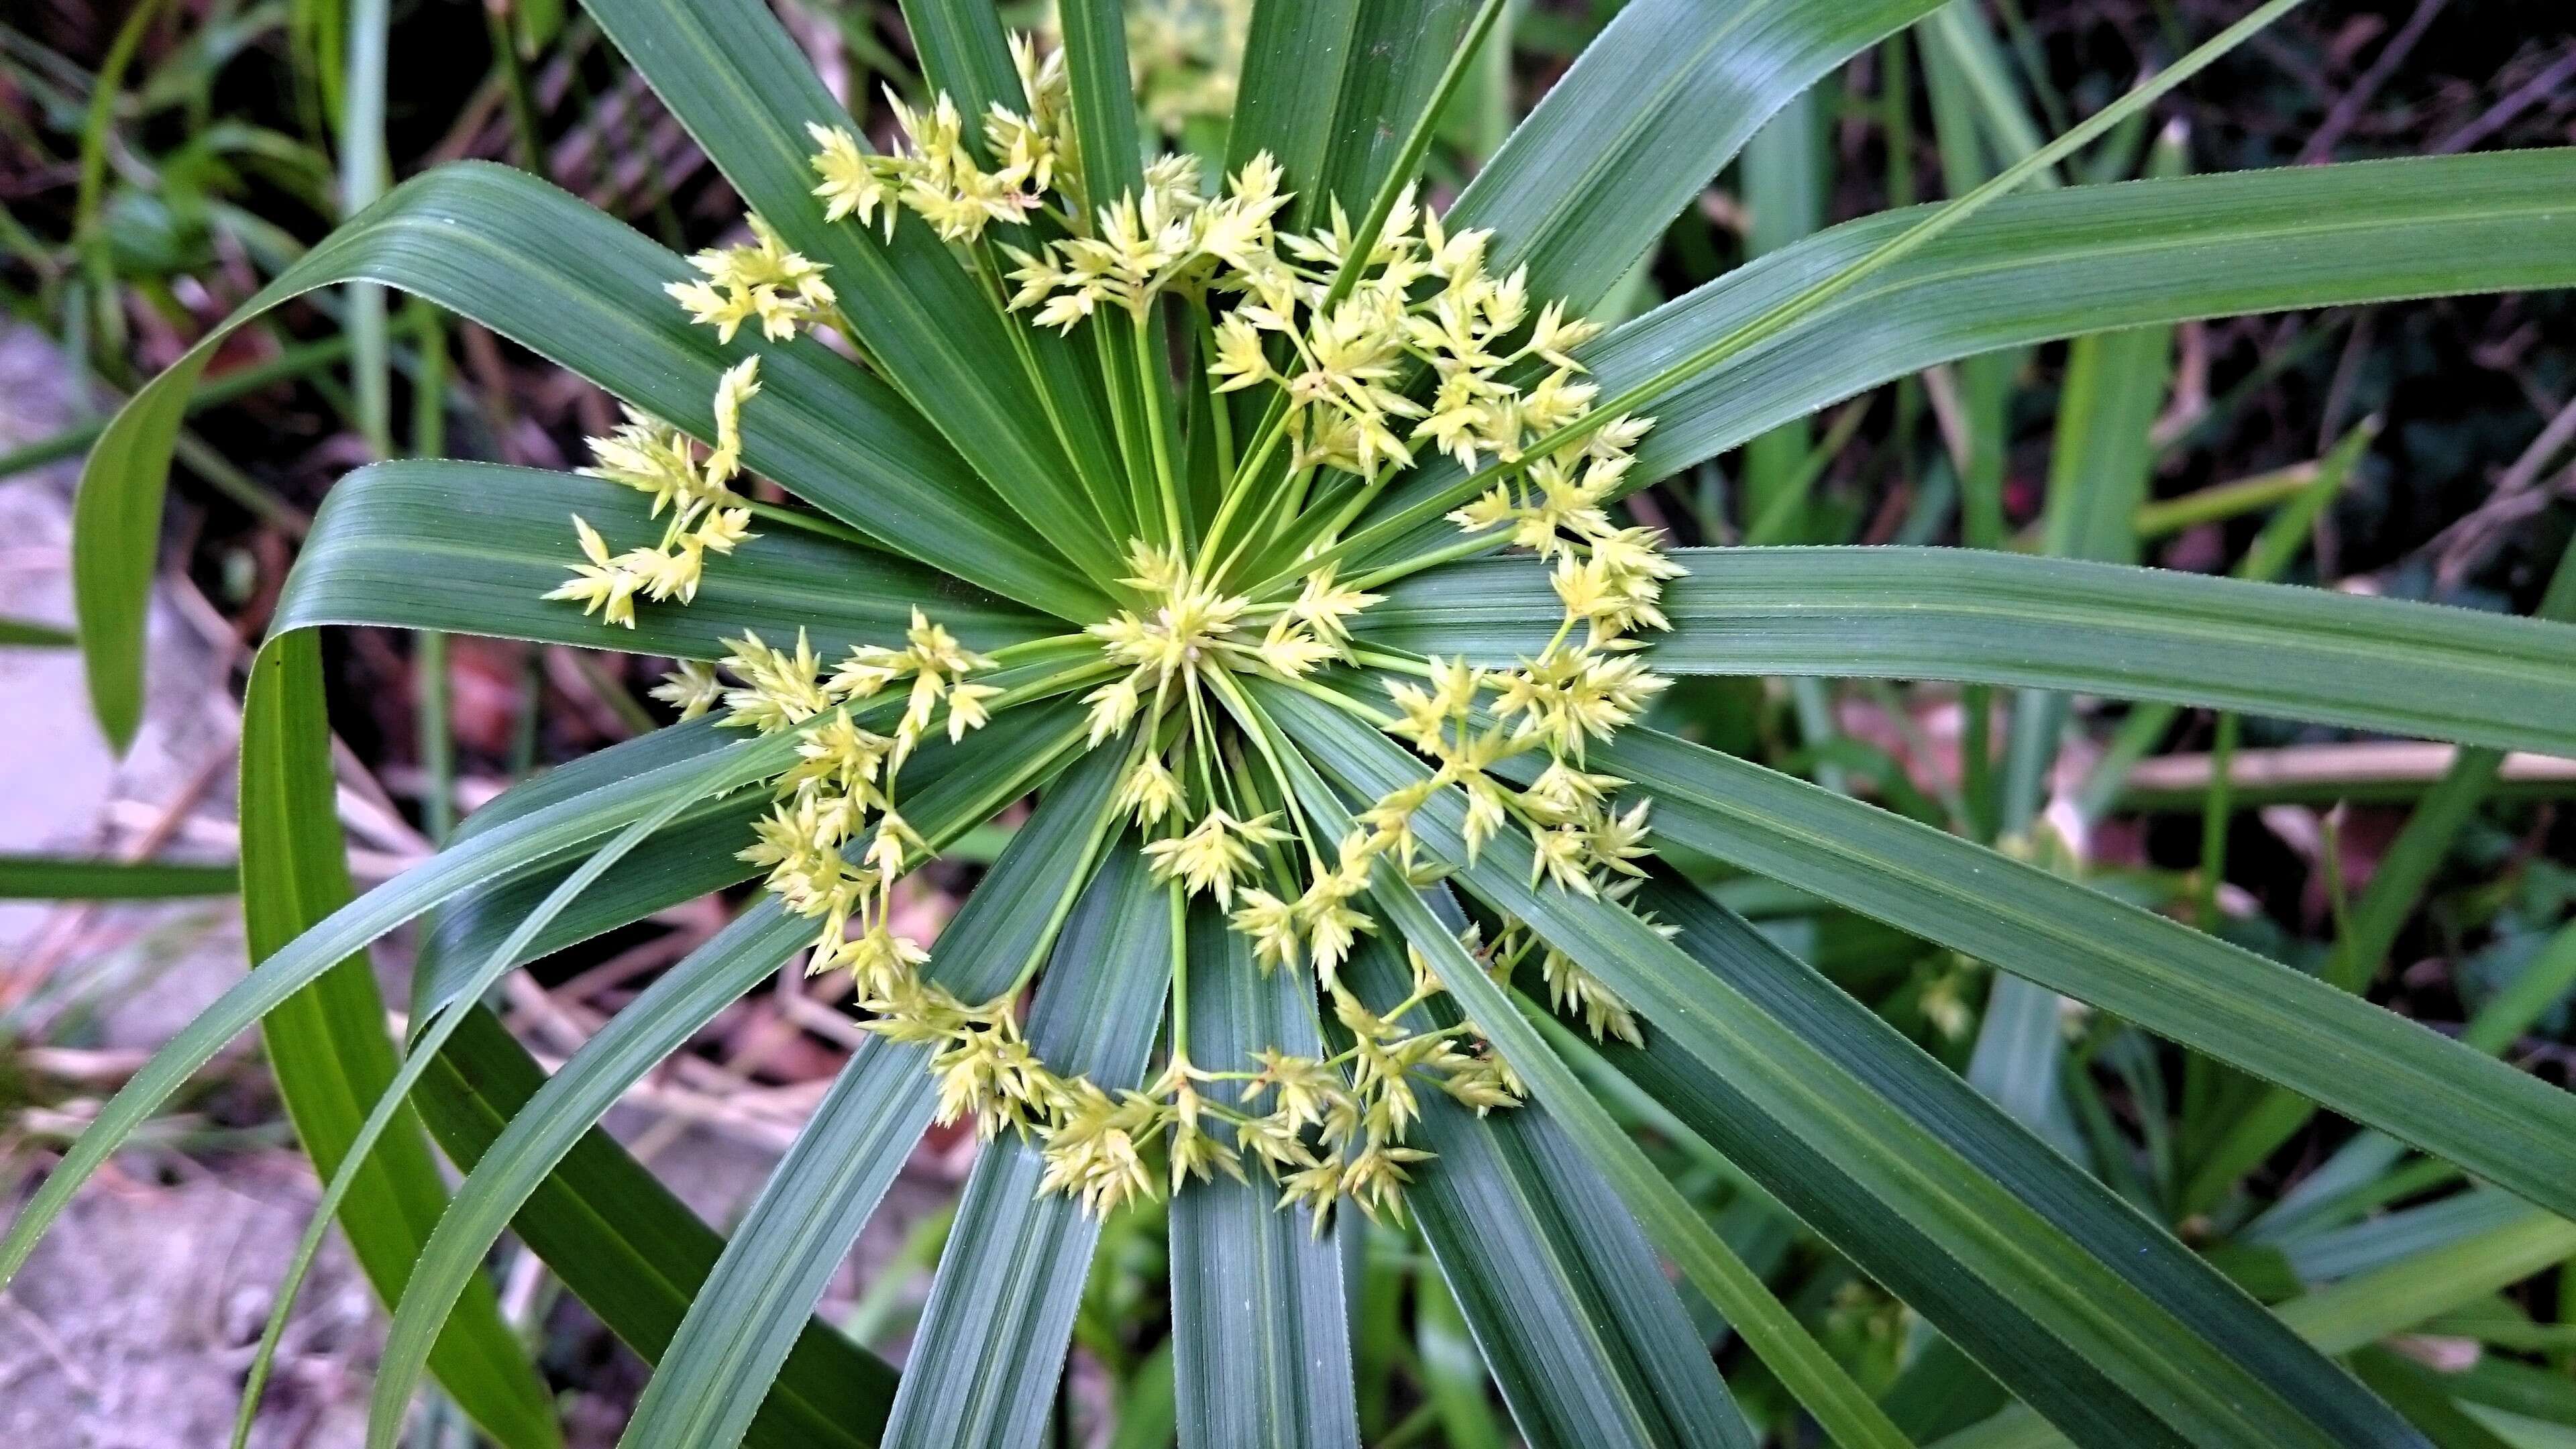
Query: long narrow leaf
x=2088, y=628
x=670, y=1011
x=733, y=77
x=534, y=264
x=64, y=878
x=328, y=1048
x=1654, y=109
x=1260, y=1321
x=632, y=1252
x=2085, y=259
x=1853, y=1129
x=991, y=1344
x=472, y=548
x=2368, y=1064
x=501, y=854
x=797, y=1232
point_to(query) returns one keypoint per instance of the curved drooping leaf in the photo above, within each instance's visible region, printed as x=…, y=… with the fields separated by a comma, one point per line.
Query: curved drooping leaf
x=536, y=265
x=800, y=1228
x=630, y=1250
x=2034, y=268
x=733, y=77
x=1653, y=109
x=2086, y=1310
x=2255, y=1014
x=329, y=1051
x=391, y=1106
x=675, y=1007
x=472, y=548
x=1260, y=1320
x=2014, y=619
x=992, y=1339
x=612, y=1233
x=503, y=853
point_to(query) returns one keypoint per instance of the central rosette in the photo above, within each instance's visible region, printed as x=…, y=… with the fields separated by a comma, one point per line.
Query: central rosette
x=1284, y=410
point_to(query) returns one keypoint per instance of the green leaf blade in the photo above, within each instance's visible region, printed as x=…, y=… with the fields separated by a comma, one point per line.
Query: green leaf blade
x=992, y=1339
x=739, y=1329
x=1260, y=1319
x=2091, y=628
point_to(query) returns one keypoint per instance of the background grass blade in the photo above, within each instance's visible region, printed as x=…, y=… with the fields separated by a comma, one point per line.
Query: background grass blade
x=991, y=1345
x=328, y=1049
x=675, y=1007
x=26, y=634
x=65, y=878
x=633, y=1253
x=1650, y=113
x=2089, y=628
x=1260, y=1321
x=2254, y=1014
x=811, y=1209
x=472, y=548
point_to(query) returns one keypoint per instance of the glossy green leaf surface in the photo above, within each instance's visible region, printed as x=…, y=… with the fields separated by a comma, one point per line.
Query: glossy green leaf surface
x=2088, y=628
x=1651, y=112
x=2007, y=1248
x=472, y=548
x=2085, y=259
x=992, y=1339
x=734, y=78
x=950, y=787
x=2255, y=1014
x=1260, y=1319
x=1573, y=1314
x=536, y=265
x=328, y=1048
x=1330, y=89
x=800, y=1228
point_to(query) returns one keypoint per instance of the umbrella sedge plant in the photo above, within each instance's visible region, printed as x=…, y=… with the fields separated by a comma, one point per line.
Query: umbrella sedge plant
x=1264, y=520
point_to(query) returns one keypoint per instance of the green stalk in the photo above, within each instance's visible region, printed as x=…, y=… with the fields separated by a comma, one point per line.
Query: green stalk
x=362, y=180
x=1159, y=441
x=429, y=660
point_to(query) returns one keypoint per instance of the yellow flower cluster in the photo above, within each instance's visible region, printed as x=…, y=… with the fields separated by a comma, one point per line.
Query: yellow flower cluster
x=761, y=278
x=1369, y=362
x=707, y=516
x=1333, y=1127
x=938, y=173
x=1171, y=240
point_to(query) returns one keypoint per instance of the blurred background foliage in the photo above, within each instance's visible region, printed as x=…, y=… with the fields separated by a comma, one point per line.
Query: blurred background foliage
x=160, y=160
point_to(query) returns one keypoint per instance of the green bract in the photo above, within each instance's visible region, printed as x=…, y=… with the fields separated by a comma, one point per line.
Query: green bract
x=1145, y=493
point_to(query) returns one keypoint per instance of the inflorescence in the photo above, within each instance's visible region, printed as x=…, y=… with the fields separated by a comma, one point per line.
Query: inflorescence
x=1336, y=333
